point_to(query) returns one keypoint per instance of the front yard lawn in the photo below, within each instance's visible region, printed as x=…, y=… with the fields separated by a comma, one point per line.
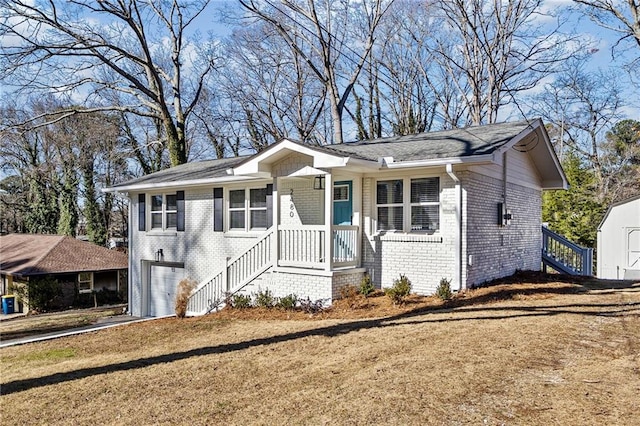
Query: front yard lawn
x=537, y=352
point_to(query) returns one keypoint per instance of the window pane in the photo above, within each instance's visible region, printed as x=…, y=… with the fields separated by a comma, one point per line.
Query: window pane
x=389, y=192
x=258, y=197
x=172, y=220
x=171, y=202
x=84, y=276
x=341, y=193
x=84, y=286
x=258, y=219
x=424, y=190
x=237, y=220
x=425, y=218
x=156, y=203
x=390, y=218
x=156, y=220
x=236, y=199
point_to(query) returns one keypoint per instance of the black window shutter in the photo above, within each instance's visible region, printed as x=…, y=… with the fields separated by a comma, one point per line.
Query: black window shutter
x=141, y=212
x=218, y=210
x=269, y=205
x=180, y=212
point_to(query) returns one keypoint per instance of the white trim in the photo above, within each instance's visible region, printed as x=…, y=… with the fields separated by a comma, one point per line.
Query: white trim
x=178, y=183
x=487, y=158
x=317, y=272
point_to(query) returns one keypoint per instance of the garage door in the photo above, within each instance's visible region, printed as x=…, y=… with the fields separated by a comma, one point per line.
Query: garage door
x=162, y=290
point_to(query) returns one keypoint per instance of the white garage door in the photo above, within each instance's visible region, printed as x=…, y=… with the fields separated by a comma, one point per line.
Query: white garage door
x=162, y=290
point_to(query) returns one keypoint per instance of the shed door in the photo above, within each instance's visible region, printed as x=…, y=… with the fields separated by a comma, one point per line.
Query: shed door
x=633, y=248
x=163, y=288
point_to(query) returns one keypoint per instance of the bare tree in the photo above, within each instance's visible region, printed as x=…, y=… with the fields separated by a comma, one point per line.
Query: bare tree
x=136, y=48
x=495, y=50
x=621, y=16
x=321, y=33
x=272, y=86
x=583, y=106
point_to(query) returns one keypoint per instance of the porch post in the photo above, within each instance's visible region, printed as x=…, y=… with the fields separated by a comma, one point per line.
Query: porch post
x=275, y=251
x=328, y=222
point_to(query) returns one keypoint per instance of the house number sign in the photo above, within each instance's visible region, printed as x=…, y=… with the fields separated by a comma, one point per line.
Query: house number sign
x=292, y=206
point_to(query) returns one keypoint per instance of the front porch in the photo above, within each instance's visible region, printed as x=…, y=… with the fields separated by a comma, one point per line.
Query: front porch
x=312, y=246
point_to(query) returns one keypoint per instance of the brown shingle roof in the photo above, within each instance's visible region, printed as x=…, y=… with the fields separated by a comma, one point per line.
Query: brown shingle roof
x=33, y=254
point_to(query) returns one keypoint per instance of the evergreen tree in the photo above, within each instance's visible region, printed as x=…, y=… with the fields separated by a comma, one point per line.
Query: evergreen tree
x=574, y=213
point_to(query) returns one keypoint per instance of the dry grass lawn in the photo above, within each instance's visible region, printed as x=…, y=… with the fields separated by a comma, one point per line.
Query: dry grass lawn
x=518, y=353
x=33, y=325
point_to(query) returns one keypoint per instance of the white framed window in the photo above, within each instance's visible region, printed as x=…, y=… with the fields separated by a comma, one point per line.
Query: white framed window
x=248, y=209
x=341, y=193
x=408, y=204
x=85, y=282
x=164, y=211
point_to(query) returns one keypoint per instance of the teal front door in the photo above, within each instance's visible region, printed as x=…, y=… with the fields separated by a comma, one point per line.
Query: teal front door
x=342, y=203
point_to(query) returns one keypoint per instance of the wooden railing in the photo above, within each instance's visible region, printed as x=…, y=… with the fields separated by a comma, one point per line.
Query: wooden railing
x=345, y=245
x=565, y=256
x=237, y=273
x=301, y=246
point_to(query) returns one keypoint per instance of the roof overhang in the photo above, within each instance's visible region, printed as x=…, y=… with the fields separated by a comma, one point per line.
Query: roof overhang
x=177, y=184
x=534, y=140
x=260, y=165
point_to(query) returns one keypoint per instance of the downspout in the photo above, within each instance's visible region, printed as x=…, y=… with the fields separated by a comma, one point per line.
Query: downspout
x=457, y=280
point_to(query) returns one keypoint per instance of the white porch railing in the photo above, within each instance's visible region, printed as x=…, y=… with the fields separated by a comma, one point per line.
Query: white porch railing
x=303, y=246
x=237, y=273
x=299, y=246
x=345, y=245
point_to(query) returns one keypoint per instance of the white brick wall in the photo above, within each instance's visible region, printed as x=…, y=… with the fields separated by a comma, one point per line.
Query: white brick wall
x=500, y=251
x=423, y=258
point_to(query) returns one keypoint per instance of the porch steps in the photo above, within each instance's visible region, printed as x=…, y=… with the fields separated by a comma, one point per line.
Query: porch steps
x=239, y=272
x=565, y=256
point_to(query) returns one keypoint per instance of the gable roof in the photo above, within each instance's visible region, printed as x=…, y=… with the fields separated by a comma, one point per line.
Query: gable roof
x=34, y=254
x=479, y=144
x=614, y=205
x=454, y=143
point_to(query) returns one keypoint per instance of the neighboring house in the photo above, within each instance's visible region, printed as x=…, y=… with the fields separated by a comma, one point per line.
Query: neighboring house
x=79, y=266
x=461, y=204
x=619, y=241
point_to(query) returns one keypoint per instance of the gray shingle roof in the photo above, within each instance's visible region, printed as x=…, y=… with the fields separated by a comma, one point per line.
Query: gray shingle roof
x=195, y=171
x=467, y=142
x=470, y=141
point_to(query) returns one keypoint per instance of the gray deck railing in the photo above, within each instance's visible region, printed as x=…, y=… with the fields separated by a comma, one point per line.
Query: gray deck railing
x=565, y=256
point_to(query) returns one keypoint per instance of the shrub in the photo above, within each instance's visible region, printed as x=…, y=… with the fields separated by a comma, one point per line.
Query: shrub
x=444, y=289
x=401, y=289
x=240, y=301
x=366, y=286
x=311, y=307
x=185, y=287
x=40, y=293
x=265, y=299
x=288, y=303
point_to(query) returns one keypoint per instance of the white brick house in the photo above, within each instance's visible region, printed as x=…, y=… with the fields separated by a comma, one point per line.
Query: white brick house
x=462, y=204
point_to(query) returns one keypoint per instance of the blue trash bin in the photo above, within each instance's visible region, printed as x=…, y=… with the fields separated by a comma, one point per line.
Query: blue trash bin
x=8, y=304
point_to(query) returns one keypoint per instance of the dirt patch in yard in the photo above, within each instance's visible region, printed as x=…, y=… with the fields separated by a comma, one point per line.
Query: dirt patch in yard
x=537, y=352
